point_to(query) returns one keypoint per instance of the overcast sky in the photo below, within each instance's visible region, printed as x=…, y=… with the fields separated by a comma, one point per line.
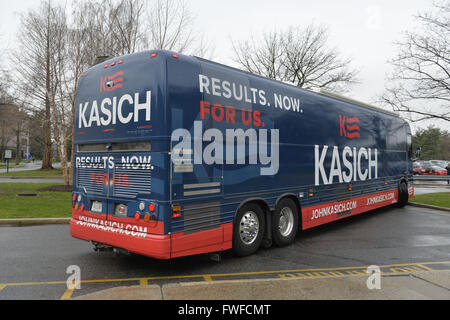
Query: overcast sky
x=362, y=30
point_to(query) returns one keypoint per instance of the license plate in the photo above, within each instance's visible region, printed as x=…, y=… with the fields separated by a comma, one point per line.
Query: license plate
x=96, y=206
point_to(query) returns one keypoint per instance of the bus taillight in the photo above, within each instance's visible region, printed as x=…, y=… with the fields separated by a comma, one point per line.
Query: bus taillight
x=176, y=211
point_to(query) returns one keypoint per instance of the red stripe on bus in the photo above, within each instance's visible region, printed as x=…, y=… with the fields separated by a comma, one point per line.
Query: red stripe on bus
x=152, y=245
x=316, y=215
x=155, y=246
x=213, y=240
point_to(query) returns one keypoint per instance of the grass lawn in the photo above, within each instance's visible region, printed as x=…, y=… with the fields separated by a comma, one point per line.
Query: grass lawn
x=11, y=165
x=440, y=199
x=33, y=173
x=44, y=205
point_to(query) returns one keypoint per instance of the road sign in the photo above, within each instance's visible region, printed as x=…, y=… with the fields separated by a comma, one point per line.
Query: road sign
x=8, y=155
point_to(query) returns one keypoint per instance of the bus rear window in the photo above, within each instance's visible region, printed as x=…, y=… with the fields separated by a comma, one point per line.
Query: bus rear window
x=115, y=146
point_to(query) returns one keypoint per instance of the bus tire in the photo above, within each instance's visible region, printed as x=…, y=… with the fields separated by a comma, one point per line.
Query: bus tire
x=402, y=194
x=248, y=231
x=285, y=222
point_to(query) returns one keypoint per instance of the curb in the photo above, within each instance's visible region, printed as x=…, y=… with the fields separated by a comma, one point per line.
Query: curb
x=430, y=185
x=428, y=206
x=34, y=221
x=404, y=286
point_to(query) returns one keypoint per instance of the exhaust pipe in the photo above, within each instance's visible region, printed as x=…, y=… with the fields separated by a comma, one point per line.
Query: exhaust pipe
x=101, y=247
x=120, y=251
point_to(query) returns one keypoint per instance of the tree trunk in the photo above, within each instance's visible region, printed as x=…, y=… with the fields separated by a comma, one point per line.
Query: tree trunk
x=47, y=158
x=18, y=143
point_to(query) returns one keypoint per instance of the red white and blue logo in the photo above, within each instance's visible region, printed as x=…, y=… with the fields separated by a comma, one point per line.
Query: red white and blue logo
x=349, y=127
x=111, y=83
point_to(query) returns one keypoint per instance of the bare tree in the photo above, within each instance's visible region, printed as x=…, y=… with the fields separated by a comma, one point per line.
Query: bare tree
x=170, y=25
x=106, y=28
x=55, y=50
x=297, y=55
x=5, y=85
x=80, y=58
x=265, y=56
x=33, y=67
x=125, y=25
x=60, y=100
x=5, y=80
x=91, y=19
x=419, y=86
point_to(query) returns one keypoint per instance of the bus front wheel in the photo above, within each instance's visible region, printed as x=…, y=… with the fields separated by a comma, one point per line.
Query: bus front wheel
x=285, y=222
x=248, y=231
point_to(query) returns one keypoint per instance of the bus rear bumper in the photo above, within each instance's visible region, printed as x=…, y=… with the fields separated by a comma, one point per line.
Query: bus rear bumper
x=150, y=245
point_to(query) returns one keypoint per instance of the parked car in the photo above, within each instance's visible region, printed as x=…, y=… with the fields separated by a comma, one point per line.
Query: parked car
x=422, y=168
x=439, y=163
x=439, y=171
x=416, y=168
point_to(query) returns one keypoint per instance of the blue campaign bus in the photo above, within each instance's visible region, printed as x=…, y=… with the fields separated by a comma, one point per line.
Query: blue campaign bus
x=176, y=155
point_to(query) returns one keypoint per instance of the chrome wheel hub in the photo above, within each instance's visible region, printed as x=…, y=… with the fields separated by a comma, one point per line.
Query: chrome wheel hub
x=249, y=227
x=286, y=222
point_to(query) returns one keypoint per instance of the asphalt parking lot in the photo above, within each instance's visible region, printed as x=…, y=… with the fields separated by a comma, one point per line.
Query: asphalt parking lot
x=35, y=259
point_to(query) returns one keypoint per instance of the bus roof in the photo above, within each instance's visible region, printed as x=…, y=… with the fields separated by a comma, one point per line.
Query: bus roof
x=356, y=102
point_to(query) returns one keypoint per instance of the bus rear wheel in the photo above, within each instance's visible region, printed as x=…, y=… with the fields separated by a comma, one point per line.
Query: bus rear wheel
x=402, y=194
x=248, y=231
x=285, y=222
